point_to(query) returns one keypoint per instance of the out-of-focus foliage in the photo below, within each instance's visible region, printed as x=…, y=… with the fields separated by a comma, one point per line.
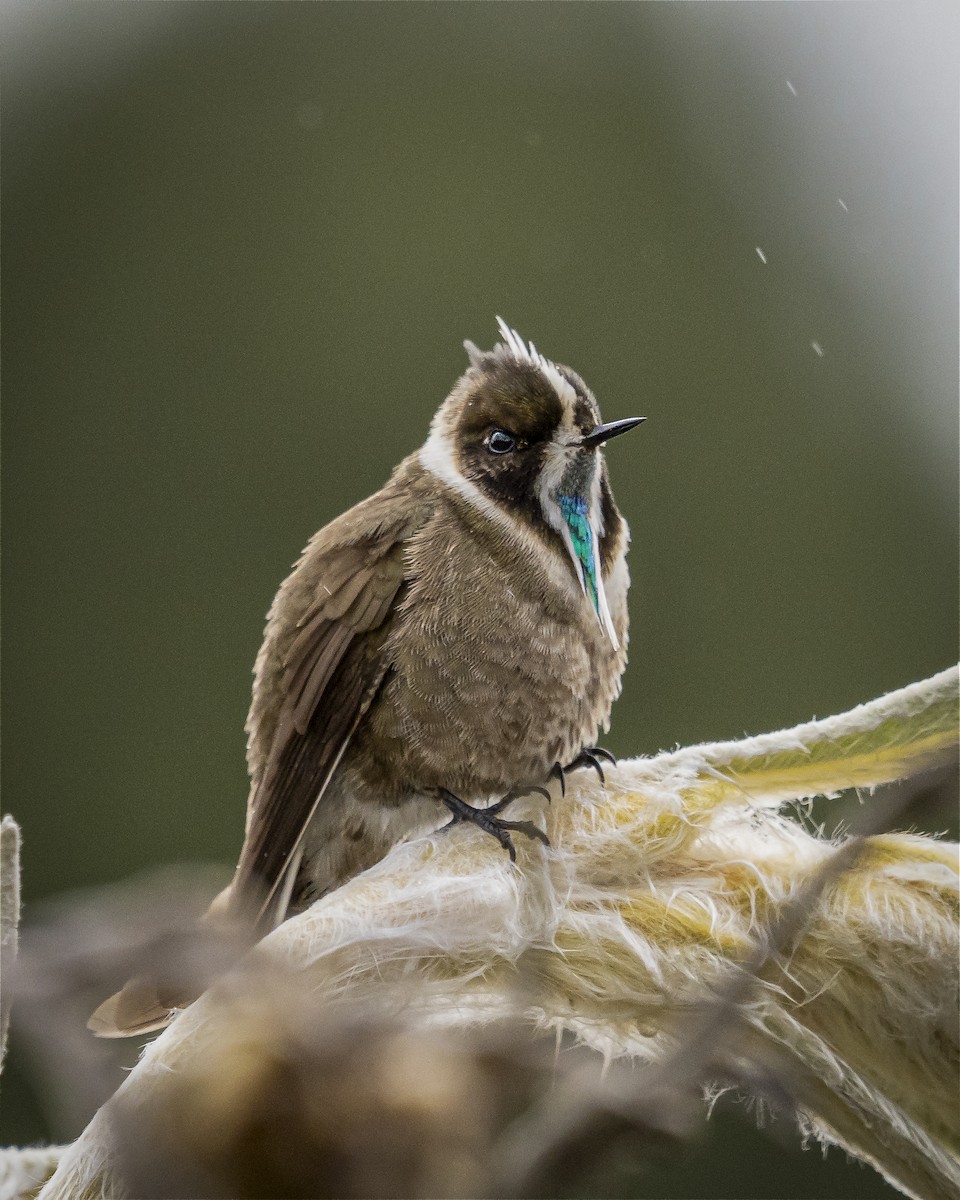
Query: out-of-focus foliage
x=241, y=246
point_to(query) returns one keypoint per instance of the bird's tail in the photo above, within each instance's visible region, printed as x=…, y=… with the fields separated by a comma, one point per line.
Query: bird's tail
x=150, y=1000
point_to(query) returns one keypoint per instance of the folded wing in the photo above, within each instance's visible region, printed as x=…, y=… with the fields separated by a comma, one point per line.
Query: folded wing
x=330, y=670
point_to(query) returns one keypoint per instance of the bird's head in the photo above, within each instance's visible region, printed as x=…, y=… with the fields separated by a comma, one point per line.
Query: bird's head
x=520, y=437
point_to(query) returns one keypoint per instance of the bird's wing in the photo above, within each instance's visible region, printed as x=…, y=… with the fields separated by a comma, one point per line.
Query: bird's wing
x=329, y=673
x=318, y=671
x=331, y=670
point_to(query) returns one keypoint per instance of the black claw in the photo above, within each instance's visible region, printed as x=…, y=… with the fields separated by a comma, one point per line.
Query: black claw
x=590, y=756
x=587, y=758
x=515, y=795
x=527, y=827
x=556, y=772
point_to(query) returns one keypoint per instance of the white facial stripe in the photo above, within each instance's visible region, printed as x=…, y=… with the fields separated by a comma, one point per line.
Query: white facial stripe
x=548, y=485
x=605, y=618
x=554, y=518
x=551, y=475
x=599, y=529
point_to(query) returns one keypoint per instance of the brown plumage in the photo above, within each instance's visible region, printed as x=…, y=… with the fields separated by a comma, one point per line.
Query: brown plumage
x=455, y=633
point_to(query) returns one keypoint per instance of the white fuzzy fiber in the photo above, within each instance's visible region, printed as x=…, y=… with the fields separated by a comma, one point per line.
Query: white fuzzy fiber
x=22, y=1171
x=654, y=888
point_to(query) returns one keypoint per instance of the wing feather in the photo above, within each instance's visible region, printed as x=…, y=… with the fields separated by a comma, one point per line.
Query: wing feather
x=314, y=671
x=331, y=669
x=318, y=671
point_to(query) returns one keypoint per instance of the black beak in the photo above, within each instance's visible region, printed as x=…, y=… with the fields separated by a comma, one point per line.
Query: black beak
x=603, y=433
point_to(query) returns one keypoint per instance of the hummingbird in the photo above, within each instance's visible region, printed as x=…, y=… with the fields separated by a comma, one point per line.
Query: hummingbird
x=457, y=637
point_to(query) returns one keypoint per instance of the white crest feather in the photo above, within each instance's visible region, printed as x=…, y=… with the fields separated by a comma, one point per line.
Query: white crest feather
x=474, y=353
x=526, y=352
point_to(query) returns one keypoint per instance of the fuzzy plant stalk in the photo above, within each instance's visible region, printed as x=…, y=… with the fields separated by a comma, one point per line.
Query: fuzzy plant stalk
x=668, y=893
x=9, y=917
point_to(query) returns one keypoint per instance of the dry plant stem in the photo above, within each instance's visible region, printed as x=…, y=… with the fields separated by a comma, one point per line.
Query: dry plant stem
x=21, y=1171
x=9, y=917
x=652, y=887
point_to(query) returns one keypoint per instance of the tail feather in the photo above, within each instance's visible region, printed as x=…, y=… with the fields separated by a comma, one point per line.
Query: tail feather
x=185, y=968
x=141, y=1006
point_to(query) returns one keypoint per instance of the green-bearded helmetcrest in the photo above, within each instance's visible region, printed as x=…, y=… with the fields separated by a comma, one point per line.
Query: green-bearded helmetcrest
x=452, y=639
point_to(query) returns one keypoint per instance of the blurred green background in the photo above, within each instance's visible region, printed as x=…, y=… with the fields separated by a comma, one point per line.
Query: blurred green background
x=242, y=245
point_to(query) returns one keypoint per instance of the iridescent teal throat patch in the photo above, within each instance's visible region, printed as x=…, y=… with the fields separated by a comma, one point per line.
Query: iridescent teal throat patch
x=574, y=509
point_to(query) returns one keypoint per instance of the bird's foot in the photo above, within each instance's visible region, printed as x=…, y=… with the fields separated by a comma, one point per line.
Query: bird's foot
x=589, y=756
x=487, y=819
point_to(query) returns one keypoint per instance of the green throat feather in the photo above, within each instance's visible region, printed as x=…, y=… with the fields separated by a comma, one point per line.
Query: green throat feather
x=574, y=511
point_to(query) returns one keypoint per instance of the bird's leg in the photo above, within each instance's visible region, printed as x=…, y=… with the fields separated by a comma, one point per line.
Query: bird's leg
x=487, y=819
x=590, y=756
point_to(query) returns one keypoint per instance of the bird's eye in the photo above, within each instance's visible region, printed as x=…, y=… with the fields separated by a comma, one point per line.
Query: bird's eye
x=501, y=442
